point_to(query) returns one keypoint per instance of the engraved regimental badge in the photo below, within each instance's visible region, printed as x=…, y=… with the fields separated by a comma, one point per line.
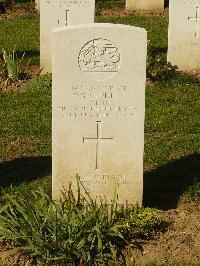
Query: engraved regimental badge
x=99, y=59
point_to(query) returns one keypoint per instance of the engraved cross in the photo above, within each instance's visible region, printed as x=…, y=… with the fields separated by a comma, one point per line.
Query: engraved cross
x=66, y=19
x=98, y=139
x=197, y=20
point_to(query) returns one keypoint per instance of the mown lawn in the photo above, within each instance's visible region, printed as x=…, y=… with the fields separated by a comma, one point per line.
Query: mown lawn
x=22, y=34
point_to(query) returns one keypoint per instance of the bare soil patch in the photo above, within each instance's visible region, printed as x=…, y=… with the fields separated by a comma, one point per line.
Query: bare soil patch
x=121, y=11
x=178, y=242
x=18, y=11
x=30, y=72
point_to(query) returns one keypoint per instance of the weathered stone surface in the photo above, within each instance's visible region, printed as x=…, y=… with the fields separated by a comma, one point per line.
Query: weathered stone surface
x=59, y=13
x=184, y=34
x=145, y=4
x=98, y=109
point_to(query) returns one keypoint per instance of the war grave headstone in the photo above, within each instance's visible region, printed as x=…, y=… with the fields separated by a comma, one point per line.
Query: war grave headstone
x=98, y=109
x=145, y=4
x=184, y=34
x=59, y=13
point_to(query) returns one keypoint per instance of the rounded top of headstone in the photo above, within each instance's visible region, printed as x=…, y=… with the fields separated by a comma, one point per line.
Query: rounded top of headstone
x=100, y=26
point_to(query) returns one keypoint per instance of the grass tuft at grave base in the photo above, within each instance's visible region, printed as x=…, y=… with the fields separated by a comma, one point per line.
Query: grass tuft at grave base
x=72, y=231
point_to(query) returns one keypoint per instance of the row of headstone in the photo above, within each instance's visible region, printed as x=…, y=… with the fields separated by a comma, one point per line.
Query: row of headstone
x=59, y=13
x=183, y=33
x=133, y=4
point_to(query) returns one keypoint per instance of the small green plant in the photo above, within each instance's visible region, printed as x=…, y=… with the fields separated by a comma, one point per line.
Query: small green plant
x=12, y=67
x=73, y=231
x=194, y=190
x=141, y=222
x=42, y=83
x=158, y=69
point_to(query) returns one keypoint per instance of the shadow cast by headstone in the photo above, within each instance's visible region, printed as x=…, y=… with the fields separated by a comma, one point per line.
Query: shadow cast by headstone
x=29, y=53
x=2, y=8
x=166, y=3
x=26, y=54
x=164, y=185
x=154, y=51
x=24, y=170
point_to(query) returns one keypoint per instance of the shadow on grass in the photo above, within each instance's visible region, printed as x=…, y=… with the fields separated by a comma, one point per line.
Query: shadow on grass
x=29, y=53
x=24, y=170
x=20, y=54
x=166, y=3
x=154, y=51
x=164, y=185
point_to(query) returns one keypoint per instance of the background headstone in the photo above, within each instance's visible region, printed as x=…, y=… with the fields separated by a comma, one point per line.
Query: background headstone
x=184, y=34
x=145, y=4
x=98, y=109
x=59, y=13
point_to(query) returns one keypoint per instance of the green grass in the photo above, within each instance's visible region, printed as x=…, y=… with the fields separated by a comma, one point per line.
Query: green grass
x=156, y=27
x=26, y=137
x=193, y=190
x=22, y=33
x=28, y=114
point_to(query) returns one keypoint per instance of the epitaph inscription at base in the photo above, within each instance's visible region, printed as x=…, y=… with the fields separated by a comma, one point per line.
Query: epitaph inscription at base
x=98, y=109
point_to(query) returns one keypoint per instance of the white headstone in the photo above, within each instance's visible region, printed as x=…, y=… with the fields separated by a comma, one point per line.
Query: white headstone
x=59, y=13
x=145, y=4
x=98, y=109
x=184, y=34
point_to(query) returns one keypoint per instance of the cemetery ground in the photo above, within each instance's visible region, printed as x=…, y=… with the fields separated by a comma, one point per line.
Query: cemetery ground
x=172, y=137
